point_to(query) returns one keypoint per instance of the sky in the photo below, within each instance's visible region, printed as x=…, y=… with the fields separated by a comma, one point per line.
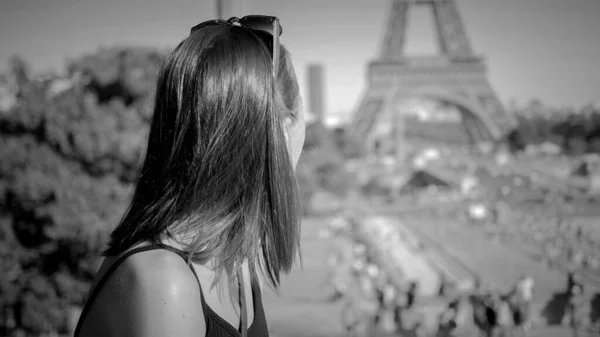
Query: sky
x=544, y=49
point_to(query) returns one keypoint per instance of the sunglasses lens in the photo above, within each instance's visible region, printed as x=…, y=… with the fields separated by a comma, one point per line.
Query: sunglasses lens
x=206, y=24
x=276, y=47
x=270, y=25
x=263, y=23
x=260, y=25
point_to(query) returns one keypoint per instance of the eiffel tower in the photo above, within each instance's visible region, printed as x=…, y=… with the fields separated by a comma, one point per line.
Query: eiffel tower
x=456, y=76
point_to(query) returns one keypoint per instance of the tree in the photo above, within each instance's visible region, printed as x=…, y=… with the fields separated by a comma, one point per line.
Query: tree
x=321, y=166
x=19, y=70
x=67, y=171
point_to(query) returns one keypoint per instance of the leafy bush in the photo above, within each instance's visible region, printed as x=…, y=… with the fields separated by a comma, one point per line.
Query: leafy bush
x=68, y=164
x=321, y=167
x=575, y=131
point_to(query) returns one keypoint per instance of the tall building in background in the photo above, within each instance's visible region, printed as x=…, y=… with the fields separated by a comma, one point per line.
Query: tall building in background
x=316, y=90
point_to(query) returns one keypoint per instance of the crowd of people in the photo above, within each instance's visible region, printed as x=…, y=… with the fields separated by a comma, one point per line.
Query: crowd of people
x=373, y=304
x=525, y=212
x=371, y=301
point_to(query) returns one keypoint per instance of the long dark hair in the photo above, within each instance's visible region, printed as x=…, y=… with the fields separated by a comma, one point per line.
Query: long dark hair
x=217, y=170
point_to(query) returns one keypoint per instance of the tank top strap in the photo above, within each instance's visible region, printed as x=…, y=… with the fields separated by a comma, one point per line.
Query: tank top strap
x=215, y=324
x=256, y=292
x=259, y=325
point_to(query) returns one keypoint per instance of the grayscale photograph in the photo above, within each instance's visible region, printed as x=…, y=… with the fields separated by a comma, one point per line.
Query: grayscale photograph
x=300, y=168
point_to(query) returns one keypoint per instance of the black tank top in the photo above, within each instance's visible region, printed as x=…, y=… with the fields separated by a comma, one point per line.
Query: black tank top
x=216, y=326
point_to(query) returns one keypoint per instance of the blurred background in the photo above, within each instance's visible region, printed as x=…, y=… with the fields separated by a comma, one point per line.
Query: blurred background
x=452, y=156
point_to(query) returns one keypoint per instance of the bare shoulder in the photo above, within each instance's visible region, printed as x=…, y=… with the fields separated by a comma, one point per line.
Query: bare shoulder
x=154, y=293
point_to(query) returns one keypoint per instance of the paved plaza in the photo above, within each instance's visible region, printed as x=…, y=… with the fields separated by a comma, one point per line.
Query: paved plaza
x=303, y=308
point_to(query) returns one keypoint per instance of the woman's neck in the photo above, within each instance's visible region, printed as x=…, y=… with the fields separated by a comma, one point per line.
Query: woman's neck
x=183, y=244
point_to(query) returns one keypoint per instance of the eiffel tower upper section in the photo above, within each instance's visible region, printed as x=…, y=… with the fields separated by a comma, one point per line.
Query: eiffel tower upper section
x=452, y=39
x=456, y=74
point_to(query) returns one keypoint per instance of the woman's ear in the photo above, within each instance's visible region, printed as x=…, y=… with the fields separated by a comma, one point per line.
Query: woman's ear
x=287, y=125
x=293, y=131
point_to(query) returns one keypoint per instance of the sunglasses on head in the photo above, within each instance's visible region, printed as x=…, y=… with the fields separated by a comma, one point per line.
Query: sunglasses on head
x=263, y=23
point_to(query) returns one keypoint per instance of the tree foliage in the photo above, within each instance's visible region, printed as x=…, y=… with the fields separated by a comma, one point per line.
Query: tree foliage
x=68, y=164
x=576, y=131
x=321, y=167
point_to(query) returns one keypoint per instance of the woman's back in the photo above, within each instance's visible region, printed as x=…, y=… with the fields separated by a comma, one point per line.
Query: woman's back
x=150, y=291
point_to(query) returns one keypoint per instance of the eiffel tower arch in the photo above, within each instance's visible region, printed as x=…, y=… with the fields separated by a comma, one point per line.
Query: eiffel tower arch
x=456, y=76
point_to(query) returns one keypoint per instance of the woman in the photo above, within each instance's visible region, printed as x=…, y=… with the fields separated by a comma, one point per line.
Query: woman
x=216, y=203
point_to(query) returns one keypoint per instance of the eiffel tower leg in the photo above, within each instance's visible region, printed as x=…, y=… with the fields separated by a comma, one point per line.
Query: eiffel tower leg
x=451, y=32
x=489, y=104
x=394, y=40
x=370, y=108
x=400, y=150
